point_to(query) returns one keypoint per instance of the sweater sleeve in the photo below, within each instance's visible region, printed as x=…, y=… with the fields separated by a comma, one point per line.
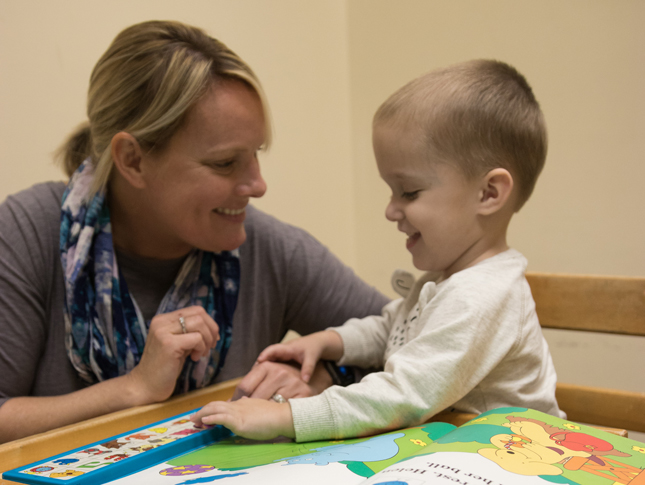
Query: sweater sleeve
x=459, y=344
x=28, y=234
x=365, y=339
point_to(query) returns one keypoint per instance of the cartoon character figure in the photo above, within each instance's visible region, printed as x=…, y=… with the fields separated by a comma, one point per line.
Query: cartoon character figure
x=41, y=469
x=581, y=442
x=138, y=436
x=178, y=471
x=65, y=461
x=116, y=457
x=112, y=444
x=534, y=448
x=162, y=441
x=92, y=451
x=66, y=473
x=143, y=448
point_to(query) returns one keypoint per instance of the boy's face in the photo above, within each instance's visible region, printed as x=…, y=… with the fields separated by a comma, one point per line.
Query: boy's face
x=432, y=202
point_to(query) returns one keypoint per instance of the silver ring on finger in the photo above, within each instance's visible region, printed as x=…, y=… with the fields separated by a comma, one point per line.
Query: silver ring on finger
x=278, y=398
x=182, y=322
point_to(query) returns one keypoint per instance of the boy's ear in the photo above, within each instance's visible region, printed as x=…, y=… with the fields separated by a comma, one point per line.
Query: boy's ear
x=495, y=191
x=126, y=156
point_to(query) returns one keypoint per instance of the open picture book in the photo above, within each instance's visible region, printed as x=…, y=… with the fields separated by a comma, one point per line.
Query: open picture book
x=506, y=446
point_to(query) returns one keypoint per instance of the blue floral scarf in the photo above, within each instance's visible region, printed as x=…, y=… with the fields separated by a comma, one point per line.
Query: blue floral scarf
x=105, y=331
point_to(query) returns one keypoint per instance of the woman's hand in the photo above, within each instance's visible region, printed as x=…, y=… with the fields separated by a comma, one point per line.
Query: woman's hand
x=152, y=380
x=269, y=378
x=167, y=348
x=255, y=419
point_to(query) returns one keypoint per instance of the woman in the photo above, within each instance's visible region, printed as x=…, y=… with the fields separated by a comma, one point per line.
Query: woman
x=149, y=273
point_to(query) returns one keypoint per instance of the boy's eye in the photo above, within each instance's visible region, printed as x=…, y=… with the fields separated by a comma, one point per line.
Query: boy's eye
x=410, y=195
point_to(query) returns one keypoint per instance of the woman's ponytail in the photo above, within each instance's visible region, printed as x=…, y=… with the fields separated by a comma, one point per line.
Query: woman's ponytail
x=75, y=149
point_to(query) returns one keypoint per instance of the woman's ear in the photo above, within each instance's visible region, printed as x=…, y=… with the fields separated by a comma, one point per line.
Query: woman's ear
x=126, y=156
x=496, y=190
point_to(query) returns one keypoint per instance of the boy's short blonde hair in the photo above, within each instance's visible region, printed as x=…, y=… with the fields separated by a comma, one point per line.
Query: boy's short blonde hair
x=477, y=115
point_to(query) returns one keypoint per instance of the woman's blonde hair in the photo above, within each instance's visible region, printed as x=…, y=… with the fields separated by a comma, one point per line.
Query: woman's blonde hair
x=144, y=84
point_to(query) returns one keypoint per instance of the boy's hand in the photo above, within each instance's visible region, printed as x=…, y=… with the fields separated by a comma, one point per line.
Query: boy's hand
x=307, y=351
x=255, y=419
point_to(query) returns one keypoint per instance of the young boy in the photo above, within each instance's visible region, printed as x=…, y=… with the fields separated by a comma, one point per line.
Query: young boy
x=461, y=149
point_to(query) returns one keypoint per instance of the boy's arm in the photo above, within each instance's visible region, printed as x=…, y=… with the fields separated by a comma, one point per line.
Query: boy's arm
x=307, y=351
x=460, y=344
x=358, y=342
x=365, y=339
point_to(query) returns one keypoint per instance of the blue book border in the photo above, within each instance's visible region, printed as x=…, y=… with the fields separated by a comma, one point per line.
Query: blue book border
x=131, y=464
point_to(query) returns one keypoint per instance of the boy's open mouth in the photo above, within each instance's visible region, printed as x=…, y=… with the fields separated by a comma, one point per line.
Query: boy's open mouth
x=412, y=240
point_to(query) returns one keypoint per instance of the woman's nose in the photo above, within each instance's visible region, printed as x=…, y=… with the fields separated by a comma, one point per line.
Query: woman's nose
x=259, y=186
x=252, y=185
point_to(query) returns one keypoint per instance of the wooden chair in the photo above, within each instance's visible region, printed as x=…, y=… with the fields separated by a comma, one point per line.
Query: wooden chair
x=614, y=305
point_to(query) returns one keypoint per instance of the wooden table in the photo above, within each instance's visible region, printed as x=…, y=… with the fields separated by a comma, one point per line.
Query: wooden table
x=27, y=450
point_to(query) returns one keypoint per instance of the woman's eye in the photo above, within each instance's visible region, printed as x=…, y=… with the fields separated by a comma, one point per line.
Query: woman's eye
x=223, y=165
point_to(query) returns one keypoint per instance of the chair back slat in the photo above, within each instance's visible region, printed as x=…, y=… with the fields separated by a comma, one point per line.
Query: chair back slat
x=589, y=303
x=594, y=304
x=604, y=407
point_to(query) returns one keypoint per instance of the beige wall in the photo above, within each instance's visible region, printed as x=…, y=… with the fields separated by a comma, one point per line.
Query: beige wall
x=327, y=64
x=298, y=49
x=586, y=63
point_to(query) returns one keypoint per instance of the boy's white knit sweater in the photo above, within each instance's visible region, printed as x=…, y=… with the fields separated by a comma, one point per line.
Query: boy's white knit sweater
x=470, y=343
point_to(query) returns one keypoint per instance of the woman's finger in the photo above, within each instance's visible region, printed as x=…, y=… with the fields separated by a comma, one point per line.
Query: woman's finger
x=249, y=382
x=266, y=379
x=209, y=323
x=196, y=320
x=195, y=324
x=280, y=378
x=192, y=344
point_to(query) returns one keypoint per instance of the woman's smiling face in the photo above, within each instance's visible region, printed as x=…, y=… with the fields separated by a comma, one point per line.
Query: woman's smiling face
x=198, y=186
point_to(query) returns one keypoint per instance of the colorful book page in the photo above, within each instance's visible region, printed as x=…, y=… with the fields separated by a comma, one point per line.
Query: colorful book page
x=241, y=461
x=505, y=446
